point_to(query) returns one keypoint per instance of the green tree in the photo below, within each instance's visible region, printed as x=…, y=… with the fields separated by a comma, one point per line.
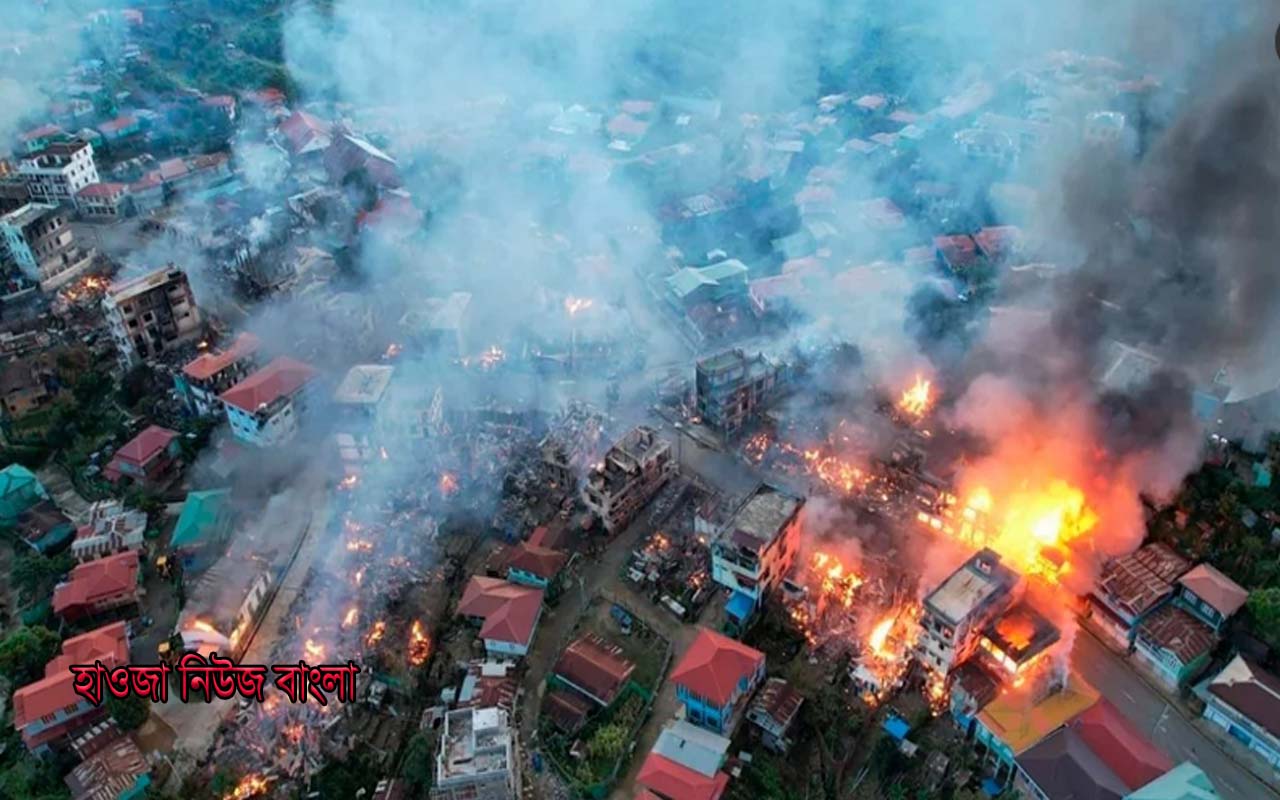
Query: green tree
x=129, y=712
x=608, y=743
x=417, y=765
x=1264, y=611
x=33, y=574
x=25, y=651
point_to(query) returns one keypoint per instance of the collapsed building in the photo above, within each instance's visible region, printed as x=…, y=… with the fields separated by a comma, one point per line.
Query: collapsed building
x=569, y=448
x=478, y=757
x=633, y=471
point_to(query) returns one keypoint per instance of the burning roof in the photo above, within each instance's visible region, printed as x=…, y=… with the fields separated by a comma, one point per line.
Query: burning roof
x=208, y=364
x=1019, y=635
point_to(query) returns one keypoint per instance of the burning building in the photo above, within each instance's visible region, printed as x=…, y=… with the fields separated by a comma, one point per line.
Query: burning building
x=757, y=547
x=732, y=387
x=570, y=448
x=634, y=470
x=358, y=401
x=39, y=243
x=441, y=325
x=223, y=607
x=957, y=611
x=206, y=377
x=1014, y=643
x=478, y=757
x=152, y=314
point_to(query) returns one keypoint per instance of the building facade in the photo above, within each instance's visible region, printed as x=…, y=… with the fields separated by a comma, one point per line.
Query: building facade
x=714, y=680
x=733, y=387
x=634, y=470
x=956, y=612
x=203, y=380
x=1244, y=701
x=757, y=547
x=40, y=245
x=152, y=314
x=264, y=409
x=56, y=173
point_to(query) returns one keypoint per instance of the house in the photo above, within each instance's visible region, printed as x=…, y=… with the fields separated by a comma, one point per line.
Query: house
x=223, y=605
x=264, y=409
x=119, y=128
x=55, y=173
x=1210, y=596
x=96, y=587
x=49, y=711
x=45, y=528
x=349, y=156
x=714, y=678
x=685, y=764
x=957, y=254
x=534, y=566
x=204, y=379
x=1184, y=782
x=103, y=201
x=955, y=613
x=633, y=470
x=507, y=612
x=147, y=458
x=1015, y=721
x=717, y=283
x=28, y=384
x=1244, y=700
x=774, y=711
x=1098, y=755
x=567, y=710
x=147, y=193
x=20, y=489
x=110, y=529
x=756, y=548
x=478, y=757
x=303, y=134
x=203, y=525
x=361, y=406
x=41, y=137
x=999, y=244
x=1174, y=644
x=1131, y=587
x=111, y=766
x=776, y=294
x=223, y=103
x=594, y=668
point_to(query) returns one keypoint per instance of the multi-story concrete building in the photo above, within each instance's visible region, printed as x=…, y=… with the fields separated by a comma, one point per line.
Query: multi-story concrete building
x=478, y=757
x=634, y=470
x=732, y=386
x=202, y=381
x=265, y=407
x=359, y=403
x=956, y=612
x=39, y=244
x=56, y=173
x=152, y=314
x=756, y=548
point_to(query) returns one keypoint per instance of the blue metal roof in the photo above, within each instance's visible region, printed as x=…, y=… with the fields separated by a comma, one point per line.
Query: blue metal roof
x=740, y=606
x=896, y=727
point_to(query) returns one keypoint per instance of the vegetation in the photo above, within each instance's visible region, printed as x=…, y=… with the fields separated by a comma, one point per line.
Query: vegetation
x=607, y=740
x=418, y=761
x=34, y=575
x=1264, y=614
x=24, y=653
x=130, y=713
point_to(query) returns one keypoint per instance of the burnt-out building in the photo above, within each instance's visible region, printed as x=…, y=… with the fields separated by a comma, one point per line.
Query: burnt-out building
x=732, y=387
x=152, y=314
x=633, y=471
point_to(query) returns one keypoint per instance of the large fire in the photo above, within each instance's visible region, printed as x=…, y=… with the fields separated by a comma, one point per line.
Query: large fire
x=249, y=786
x=1034, y=528
x=376, y=633
x=837, y=582
x=917, y=399
x=419, y=645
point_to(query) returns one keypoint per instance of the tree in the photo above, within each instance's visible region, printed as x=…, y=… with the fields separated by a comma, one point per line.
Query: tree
x=417, y=765
x=608, y=742
x=130, y=712
x=25, y=651
x=32, y=573
x=1264, y=610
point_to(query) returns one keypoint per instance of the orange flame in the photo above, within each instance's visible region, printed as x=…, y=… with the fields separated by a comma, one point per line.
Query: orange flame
x=448, y=484
x=314, y=650
x=352, y=617
x=419, y=645
x=249, y=786
x=916, y=400
x=376, y=633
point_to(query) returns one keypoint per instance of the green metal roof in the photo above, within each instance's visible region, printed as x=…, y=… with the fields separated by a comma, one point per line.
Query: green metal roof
x=19, y=490
x=199, y=518
x=1184, y=782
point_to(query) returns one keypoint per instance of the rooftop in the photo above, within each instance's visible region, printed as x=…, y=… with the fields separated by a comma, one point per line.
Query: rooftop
x=762, y=518
x=778, y=701
x=27, y=214
x=973, y=585
x=146, y=445
x=690, y=746
x=210, y=363
x=476, y=741
x=1251, y=691
x=595, y=665
x=1175, y=630
x=1022, y=633
x=281, y=378
x=1214, y=588
x=714, y=665
x=96, y=581
x=510, y=611
x=108, y=644
x=1138, y=581
x=126, y=290
x=670, y=779
x=364, y=384
x=540, y=561
x=1184, y=782
x=1020, y=720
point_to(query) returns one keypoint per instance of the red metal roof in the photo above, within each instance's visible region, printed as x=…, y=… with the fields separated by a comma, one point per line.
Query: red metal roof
x=172, y=168
x=1216, y=589
x=541, y=561
x=998, y=241
x=300, y=129
x=1251, y=691
x=714, y=664
x=117, y=124
x=206, y=365
x=596, y=666
x=108, y=644
x=104, y=580
x=41, y=132
x=146, y=445
x=510, y=611
x=677, y=782
x=1178, y=632
x=281, y=378
x=959, y=251
x=1121, y=746
x=102, y=190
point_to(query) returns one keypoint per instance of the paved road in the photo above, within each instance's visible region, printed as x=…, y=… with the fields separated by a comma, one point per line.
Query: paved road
x=1163, y=723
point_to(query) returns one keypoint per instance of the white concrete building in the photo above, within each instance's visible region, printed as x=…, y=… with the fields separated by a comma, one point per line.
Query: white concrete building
x=756, y=548
x=110, y=529
x=478, y=757
x=264, y=408
x=59, y=171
